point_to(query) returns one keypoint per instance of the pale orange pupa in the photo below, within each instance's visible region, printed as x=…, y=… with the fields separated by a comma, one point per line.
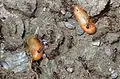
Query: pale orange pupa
x=83, y=19
x=35, y=46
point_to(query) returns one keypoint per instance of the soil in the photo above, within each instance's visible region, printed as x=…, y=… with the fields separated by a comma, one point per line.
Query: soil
x=70, y=55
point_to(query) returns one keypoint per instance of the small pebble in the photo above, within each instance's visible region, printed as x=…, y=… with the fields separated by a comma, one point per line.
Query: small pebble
x=65, y=24
x=69, y=25
x=96, y=43
x=44, y=9
x=69, y=69
x=73, y=22
x=63, y=11
x=44, y=56
x=79, y=30
x=114, y=75
x=68, y=15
